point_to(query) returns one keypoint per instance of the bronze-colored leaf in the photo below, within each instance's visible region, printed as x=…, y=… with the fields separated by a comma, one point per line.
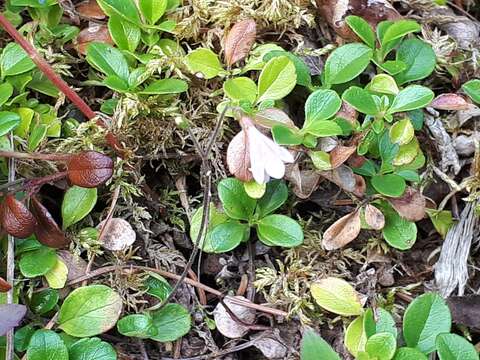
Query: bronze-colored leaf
x=89, y=169
x=4, y=285
x=239, y=40
x=374, y=217
x=340, y=154
x=449, y=102
x=356, y=160
x=411, y=205
x=95, y=32
x=90, y=9
x=342, y=231
x=16, y=219
x=238, y=158
x=360, y=186
x=47, y=231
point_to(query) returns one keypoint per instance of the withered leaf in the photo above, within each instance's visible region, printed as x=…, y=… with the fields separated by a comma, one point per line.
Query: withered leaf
x=90, y=9
x=340, y=154
x=356, y=160
x=347, y=112
x=342, y=231
x=47, y=231
x=374, y=217
x=449, y=102
x=343, y=177
x=93, y=33
x=16, y=219
x=360, y=186
x=11, y=315
x=75, y=264
x=411, y=205
x=4, y=285
x=238, y=158
x=304, y=181
x=89, y=169
x=239, y=40
x=118, y=235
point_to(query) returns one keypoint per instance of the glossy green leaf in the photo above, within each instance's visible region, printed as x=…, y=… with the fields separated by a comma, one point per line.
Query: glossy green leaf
x=157, y=286
x=472, y=89
x=171, y=322
x=425, y=318
x=302, y=70
x=57, y=276
x=362, y=28
x=44, y=301
x=379, y=322
x=323, y=128
x=361, y=100
x=165, y=86
x=241, y=88
x=77, y=203
x=321, y=160
x=6, y=90
x=254, y=189
x=399, y=29
x=126, y=9
x=108, y=60
x=442, y=220
x=215, y=218
x=22, y=338
x=125, y=34
x=90, y=310
x=410, y=98
x=236, y=202
x=384, y=84
x=346, y=63
x=153, y=10
x=402, y=132
x=92, y=349
x=406, y=353
x=275, y=196
x=46, y=345
x=14, y=60
x=337, y=296
x=407, y=153
x=37, y=135
x=389, y=184
x=284, y=135
x=355, y=336
x=321, y=105
x=313, y=347
x=277, y=79
x=419, y=59
x=393, y=67
x=225, y=237
x=398, y=232
x=137, y=325
x=455, y=347
x=37, y=262
x=8, y=121
x=204, y=63
x=279, y=230
x=116, y=84
x=381, y=346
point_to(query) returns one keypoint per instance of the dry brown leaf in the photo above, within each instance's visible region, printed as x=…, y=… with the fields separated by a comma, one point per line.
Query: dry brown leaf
x=95, y=32
x=118, y=235
x=239, y=40
x=343, y=177
x=340, y=154
x=374, y=217
x=360, y=186
x=75, y=264
x=238, y=158
x=356, y=160
x=4, y=285
x=449, y=102
x=304, y=181
x=411, y=205
x=342, y=231
x=347, y=112
x=228, y=326
x=90, y=9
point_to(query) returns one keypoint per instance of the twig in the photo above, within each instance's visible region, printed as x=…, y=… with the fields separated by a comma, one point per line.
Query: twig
x=143, y=351
x=10, y=262
x=240, y=321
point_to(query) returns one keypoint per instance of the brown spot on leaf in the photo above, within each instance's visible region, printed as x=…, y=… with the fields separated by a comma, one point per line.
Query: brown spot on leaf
x=47, y=231
x=89, y=169
x=238, y=157
x=411, y=205
x=16, y=219
x=239, y=40
x=342, y=231
x=374, y=217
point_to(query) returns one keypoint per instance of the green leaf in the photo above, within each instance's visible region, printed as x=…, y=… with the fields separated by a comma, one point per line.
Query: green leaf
x=416, y=117
x=384, y=84
x=157, y=286
x=425, y=318
x=313, y=347
x=320, y=159
x=92, y=349
x=254, y=189
x=284, y=135
x=164, y=87
x=406, y=353
x=393, y=67
x=137, y=325
x=225, y=237
x=57, y=276
x=153, y=10
x=382, y=322
x=382, y=28
x=204, y=63
x=8, y=122
x=301, y=69
x=361, y=100
x=381, y=346
x=236, y=202
x=362, y=29
x=22, y=338
x=337, y=296
x=37, y=135
x=275, y=195
x=472, y=89
x=398, y=232
x=409, y=175
x=108, y=60
x=89, y=311
x=402, y=132
x=46, y=345
x=171, y=322
x=399, y=29
x=215, y=218
x=410, y=98
x=419, y=59
x=346, y=63
x=37, y=262
x=279, y=230
x=14, y=60
x=277, y=79
x=77, y=203
x=442, y=220
x=115, y=83
x=44, y=301
x=6, y=90
x=323, y=128
x=321, y=105
x=389, y=184
x=355, y=336
x=123, y=8
x=241, y=88
x=455, y=347
x=125, y=34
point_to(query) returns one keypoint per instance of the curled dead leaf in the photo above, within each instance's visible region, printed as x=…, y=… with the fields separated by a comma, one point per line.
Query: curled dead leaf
x=304, y=181
x=239, y=40
x=46, y=230
x=16, y=219
x=342, y=231
x=95, y=32
x=347, y=112
x=374, y=217
x=90, y=9
x=340, y=154
x=449, y=102
x=89, y=169
x=238, y=157
x=118, y=235
x=4, y=285
x=360, y=186
x=411, y=205
x=228, y=326
x=343, y=177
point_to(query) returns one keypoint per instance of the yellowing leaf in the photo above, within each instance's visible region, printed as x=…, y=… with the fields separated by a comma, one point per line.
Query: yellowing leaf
x=355, y=337
x=402, y=132
x=337, y=296
x=57, y=276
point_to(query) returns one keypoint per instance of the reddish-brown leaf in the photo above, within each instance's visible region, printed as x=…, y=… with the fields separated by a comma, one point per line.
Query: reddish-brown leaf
x=342, y=231
x=95, y=32
x=89, y=169
x=47, y=231
x=16, y=219
x=90, y=9
x=238, y=158
x=411, y=205
x=360, y=186
x=356, y=160
x=449, y=102
x=4, y=285
x=340, y=154
x=374, y=217
x=347, y=112
x=239, y=40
